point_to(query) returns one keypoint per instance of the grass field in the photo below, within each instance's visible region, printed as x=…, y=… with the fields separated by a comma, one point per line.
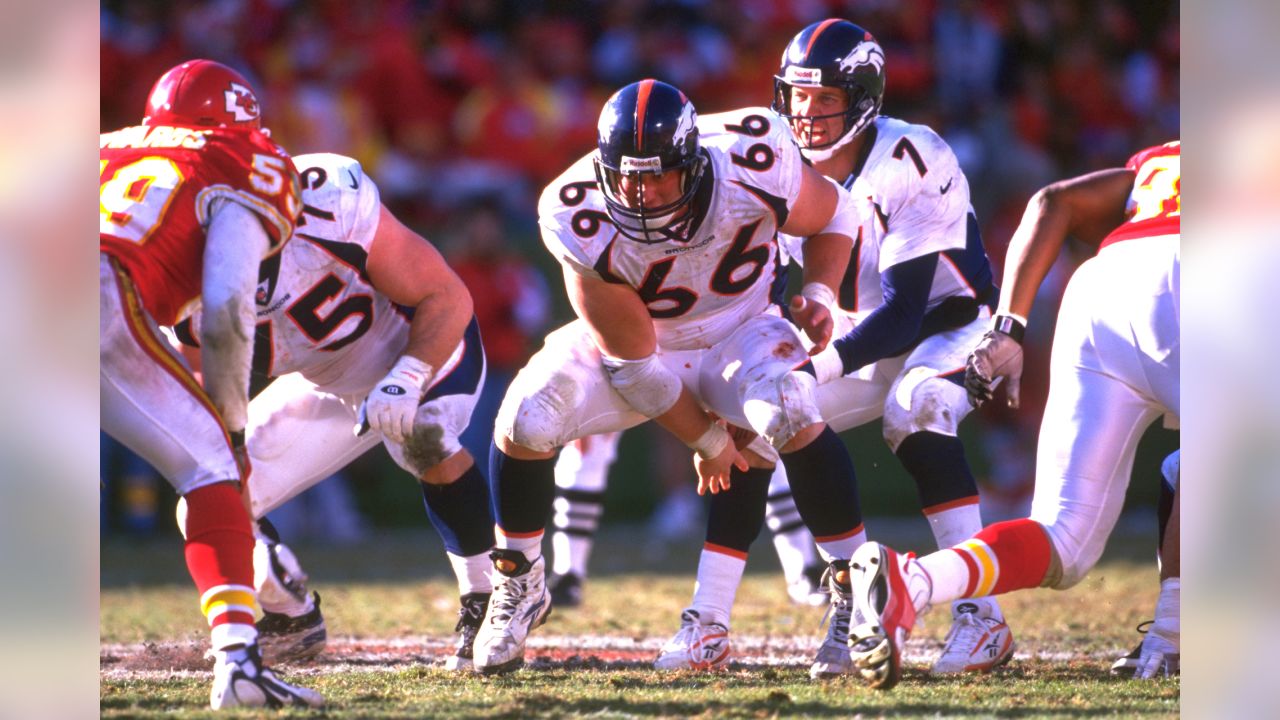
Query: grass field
x=390, y=606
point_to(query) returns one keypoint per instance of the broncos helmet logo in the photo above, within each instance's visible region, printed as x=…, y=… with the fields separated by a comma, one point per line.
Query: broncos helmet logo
x=867, y=52
x=688, y=120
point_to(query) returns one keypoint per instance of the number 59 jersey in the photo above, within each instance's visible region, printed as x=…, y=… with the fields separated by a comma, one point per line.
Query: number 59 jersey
x=157, y=187
x=697, y=292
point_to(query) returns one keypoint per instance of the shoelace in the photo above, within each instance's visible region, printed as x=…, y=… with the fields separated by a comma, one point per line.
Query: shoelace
x=506, y=600
x=470, y=611
x=690, y=629
x=967, y=628
x=839, y=610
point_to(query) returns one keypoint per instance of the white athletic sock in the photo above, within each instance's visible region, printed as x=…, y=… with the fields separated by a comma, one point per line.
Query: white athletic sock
x=718, y=578
x=530, y=546
x=955, y=525
x=949, y=575
x=841, y=549
x=472, y=572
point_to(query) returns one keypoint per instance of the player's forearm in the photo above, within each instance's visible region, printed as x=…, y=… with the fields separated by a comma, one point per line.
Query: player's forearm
x=439, y=322
x=685, y=419
x=1032, y=251
x=234, y=244
x=826, y=260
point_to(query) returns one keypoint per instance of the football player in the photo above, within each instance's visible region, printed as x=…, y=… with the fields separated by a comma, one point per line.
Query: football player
x=1113, y=369
x=914, y=302
x=363, y=325
x=582, y=474
x=189, y=202
x=666, y=238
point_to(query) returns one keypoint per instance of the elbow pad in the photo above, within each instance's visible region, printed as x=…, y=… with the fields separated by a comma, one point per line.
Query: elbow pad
x=847, y=219
x=646, y=384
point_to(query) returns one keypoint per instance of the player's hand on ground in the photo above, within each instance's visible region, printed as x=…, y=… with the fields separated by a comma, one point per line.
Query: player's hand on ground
x=814, y=319
x=713, y=473
x=997, y=357
x=1159, y=657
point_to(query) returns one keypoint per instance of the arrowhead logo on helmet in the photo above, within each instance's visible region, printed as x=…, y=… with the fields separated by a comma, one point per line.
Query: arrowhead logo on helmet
x=241, y=103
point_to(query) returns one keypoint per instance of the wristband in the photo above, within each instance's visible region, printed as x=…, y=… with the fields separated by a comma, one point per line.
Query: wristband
x=1011, y=326
x=820, y=293
x=827, y=364
x=712, y=442
x=414, y=370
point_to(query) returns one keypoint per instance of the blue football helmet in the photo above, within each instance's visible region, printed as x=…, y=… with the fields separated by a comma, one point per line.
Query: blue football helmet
x=831, y=53
x=646, y=129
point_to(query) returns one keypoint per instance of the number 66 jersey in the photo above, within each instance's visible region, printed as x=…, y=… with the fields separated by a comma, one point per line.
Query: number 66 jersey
x=697, y=292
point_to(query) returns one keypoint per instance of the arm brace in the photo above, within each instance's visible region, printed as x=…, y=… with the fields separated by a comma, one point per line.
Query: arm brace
x=234, y=244
x=646, y=384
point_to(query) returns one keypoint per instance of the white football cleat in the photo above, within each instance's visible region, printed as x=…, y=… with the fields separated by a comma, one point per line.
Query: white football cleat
x=241, y=680
x=888, y=591
x=977, y=642
x=696, y=645
x=519, y=604
x=833, y=658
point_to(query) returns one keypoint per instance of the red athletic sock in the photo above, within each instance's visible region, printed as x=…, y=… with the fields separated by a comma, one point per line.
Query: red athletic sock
x=219, y=553
x=1005, y=556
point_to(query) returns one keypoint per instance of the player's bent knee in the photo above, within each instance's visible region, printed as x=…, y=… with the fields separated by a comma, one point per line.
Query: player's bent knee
x=923, y=404
x=781, y=407
x=536, y=421
x=1073, y=556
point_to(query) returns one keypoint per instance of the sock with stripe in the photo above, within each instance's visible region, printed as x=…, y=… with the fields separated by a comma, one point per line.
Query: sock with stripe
x=948, y=492
x=719, y=574
x=582, y=472
x=219, y=554
x=523, y=494
x=1003, y=557
x=737, y=514
x=826, y=495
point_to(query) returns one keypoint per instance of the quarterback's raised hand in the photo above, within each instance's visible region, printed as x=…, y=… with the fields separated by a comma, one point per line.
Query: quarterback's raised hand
x=715, y=457
x=393, y=403
x=997, y=357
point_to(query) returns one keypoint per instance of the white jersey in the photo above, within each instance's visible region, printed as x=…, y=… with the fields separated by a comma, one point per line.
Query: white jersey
x=921, y=205
x=700, y=291
x=317, y=312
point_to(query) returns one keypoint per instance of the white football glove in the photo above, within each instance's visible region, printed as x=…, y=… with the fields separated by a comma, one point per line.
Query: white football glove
x=997, y=357
x=393, y=403
x=1159, y=656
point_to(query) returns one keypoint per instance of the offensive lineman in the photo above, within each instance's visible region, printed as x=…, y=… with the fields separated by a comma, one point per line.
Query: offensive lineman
x=666, y=238
x=190, y=201
x=360, y=319
x=1113, y=371
x=914, y=302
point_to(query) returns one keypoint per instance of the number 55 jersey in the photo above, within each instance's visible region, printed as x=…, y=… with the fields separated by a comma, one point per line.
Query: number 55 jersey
x=157, y=188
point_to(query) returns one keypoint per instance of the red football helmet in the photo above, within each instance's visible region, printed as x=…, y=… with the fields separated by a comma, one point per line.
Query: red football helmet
x=203, y=93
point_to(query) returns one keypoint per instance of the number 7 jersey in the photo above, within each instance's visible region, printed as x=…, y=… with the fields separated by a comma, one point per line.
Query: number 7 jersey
x=157, y=187
x=697, y=292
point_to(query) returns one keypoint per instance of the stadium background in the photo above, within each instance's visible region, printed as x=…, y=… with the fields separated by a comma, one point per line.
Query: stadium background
x=462, y=110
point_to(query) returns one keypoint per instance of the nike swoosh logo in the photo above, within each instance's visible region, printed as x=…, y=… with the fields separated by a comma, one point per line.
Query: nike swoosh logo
x=354, y=184
x=943, y=190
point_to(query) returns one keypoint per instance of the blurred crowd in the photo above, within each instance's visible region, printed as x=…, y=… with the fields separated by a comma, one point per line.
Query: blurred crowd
x=462, y=110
